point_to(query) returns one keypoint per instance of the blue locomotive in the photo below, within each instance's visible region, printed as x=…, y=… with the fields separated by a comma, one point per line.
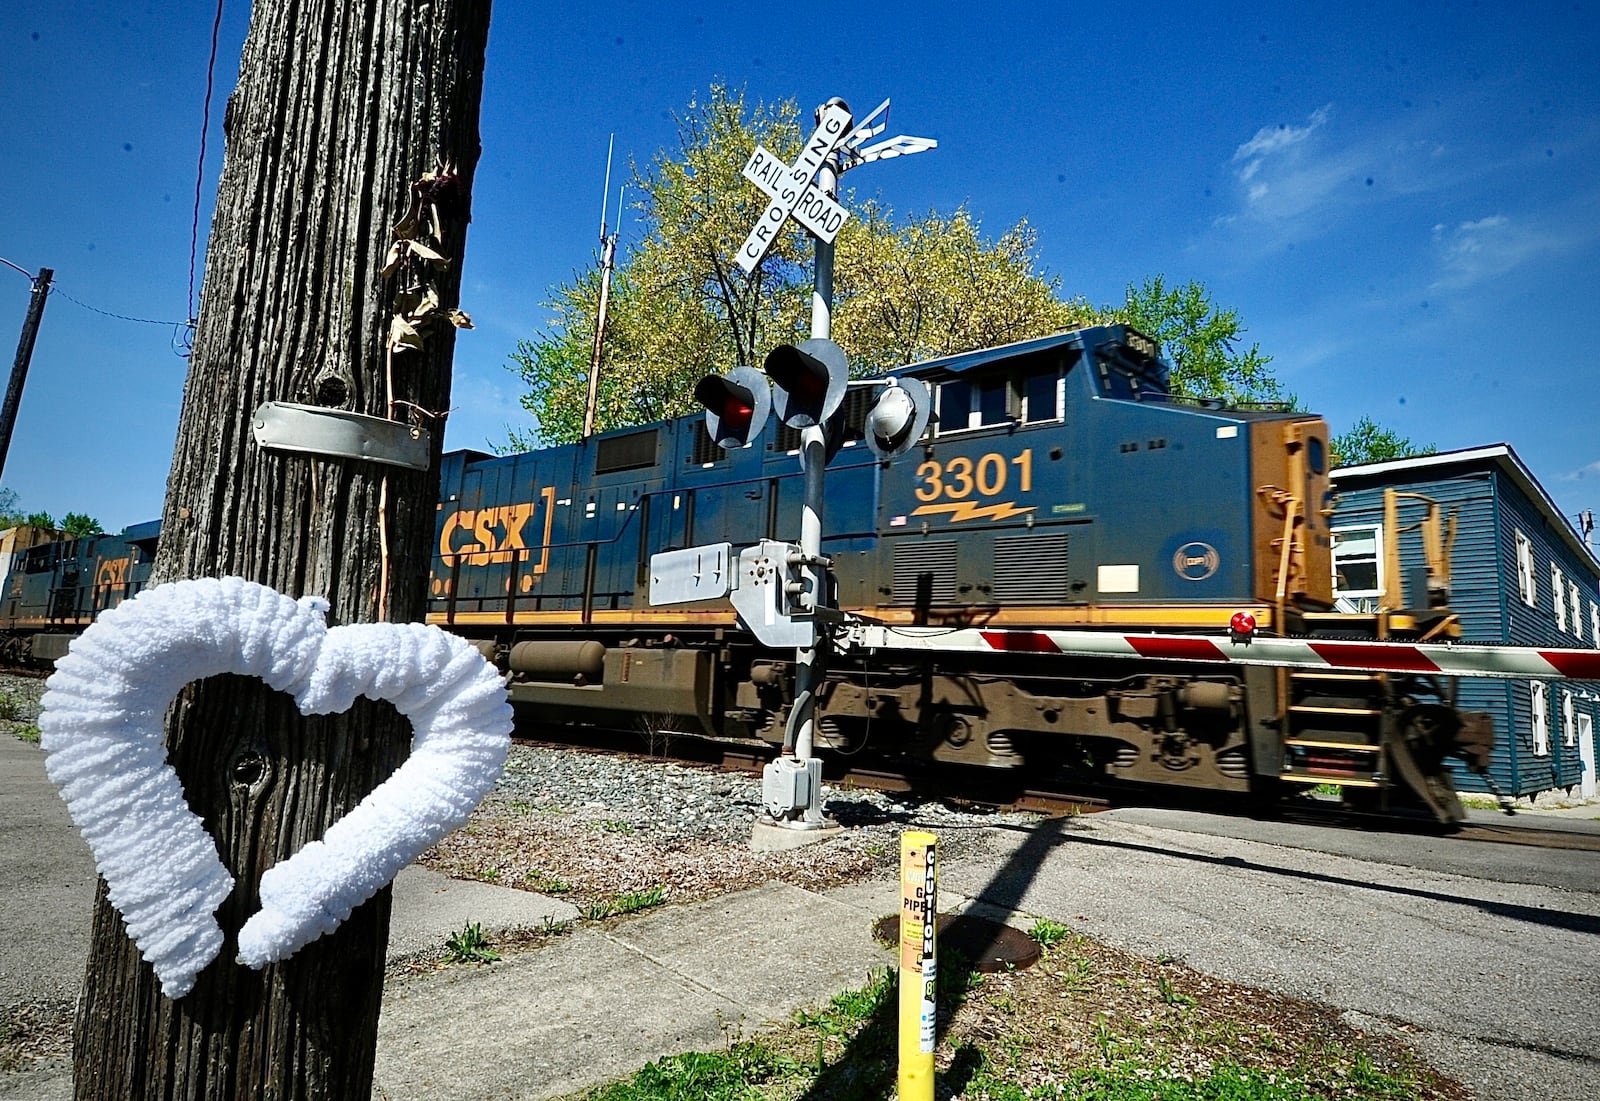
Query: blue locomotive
x=52, y=588
x=1061, y=484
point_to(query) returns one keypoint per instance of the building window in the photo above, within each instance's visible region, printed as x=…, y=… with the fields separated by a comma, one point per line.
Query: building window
x=1559, y=597
x=1577, y=608
x=1541, y=718
x=1594, y=623
x=1569, y=720
x=1526, y=583
x=1357, y=565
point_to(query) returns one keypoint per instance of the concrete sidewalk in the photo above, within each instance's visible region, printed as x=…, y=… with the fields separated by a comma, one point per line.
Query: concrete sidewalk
x=597, y=1004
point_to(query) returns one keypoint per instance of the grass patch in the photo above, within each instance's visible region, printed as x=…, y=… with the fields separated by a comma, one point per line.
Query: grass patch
x=469, y=946
x=1087, y=1022
x=28, y=733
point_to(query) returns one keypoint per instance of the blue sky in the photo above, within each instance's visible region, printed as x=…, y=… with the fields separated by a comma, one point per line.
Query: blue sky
x=1401, y=201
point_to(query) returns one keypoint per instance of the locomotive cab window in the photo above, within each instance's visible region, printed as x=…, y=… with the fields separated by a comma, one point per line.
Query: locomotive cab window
x=1041, y=398
x=965, y=403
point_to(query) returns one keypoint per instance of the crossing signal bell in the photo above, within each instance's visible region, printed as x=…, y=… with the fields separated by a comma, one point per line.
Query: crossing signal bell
x=737, y=405
x=899, y=417
x=808, y=381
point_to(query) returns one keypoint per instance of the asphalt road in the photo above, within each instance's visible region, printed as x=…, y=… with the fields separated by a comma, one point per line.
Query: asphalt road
x=1486, y=956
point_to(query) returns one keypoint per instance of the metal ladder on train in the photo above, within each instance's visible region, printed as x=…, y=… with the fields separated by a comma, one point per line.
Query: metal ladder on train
x=1332, y=728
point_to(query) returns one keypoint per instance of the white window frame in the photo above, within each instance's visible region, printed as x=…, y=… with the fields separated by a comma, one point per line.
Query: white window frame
x=1538, y=694
x=1575, y=597
x=1558, y=600
x=1594, y=623
x=1377, y=555
x=1569, y=719
x=1527, y=582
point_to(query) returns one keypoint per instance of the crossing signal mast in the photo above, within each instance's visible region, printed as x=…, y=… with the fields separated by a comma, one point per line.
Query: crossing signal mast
x=780, y=590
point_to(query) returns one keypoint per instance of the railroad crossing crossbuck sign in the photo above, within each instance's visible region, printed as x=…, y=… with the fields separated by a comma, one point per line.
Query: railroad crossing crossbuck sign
x=791, y=189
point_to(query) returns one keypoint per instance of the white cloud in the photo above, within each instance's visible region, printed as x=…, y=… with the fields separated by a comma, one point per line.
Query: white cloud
x=1487, y=247
x=1271, y=139
x=1590, y=471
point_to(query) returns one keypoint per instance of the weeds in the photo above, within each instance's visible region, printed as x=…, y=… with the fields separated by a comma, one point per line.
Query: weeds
x=13, y=708
x=1169, y=995
x=28, y=733
x=546, y=883
x=1048, y=934
x=629, y=902
x=469, y=946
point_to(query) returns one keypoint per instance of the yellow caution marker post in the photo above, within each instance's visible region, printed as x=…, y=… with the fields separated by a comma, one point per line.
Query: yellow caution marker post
x=919, y=912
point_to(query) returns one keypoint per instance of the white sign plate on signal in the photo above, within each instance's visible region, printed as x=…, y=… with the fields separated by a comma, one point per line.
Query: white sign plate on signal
x=792, y=185
x=815, y=210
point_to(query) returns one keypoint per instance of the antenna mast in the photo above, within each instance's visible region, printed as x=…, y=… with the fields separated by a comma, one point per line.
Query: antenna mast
x=608, y=261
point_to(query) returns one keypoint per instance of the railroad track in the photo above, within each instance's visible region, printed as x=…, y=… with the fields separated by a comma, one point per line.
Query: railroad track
x=1003, y=791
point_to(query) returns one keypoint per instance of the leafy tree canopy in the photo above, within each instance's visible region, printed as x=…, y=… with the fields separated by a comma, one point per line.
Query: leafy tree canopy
x=1202, y=342
x=679, y=307
x=77, y=525
x=1369, y=442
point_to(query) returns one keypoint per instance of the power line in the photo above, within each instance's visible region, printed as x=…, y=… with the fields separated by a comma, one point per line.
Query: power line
x=200, y=168
x=108, y=313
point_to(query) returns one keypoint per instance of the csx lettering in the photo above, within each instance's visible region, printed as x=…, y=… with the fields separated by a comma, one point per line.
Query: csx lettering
x=113, y=572
x=497, y=534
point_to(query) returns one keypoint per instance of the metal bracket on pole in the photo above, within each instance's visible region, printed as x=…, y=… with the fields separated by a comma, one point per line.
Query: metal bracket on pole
x=339, y=434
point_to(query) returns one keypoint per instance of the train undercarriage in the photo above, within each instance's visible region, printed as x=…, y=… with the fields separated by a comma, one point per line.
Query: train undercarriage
x=1382, y=738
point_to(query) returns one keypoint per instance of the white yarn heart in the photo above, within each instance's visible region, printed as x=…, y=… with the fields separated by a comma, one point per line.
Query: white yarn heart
x=101, y=728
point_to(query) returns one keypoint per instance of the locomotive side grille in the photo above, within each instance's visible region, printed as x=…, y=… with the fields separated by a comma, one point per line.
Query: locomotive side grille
x=631, y=452
x=1031, y=569
x=924, y=572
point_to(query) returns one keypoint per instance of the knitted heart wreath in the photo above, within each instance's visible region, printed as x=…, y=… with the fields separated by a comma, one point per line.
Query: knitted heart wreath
x=101, y=729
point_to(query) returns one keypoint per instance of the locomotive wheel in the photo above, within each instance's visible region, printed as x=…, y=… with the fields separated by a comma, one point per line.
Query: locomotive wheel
x=1425, y=736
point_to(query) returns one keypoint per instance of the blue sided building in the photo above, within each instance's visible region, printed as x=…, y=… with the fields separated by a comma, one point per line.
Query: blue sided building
x=1520, y=574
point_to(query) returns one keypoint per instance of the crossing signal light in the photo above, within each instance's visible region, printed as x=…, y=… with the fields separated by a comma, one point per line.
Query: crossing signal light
x=808, y=381
x=737, y=405
x=899, y=417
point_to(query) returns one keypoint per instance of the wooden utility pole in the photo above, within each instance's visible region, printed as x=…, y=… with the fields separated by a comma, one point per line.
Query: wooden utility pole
x=347, y=115
x=19, y=368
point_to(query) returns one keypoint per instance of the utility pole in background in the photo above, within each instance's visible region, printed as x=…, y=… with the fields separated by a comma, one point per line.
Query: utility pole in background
x=19, y=368
x=348, y=119
x=608, y=262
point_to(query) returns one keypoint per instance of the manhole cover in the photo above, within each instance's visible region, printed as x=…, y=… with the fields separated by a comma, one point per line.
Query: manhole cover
x=986, y=945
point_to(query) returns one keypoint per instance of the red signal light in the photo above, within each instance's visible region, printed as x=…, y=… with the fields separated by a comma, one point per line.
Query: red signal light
x=736, y=405
x=1242, y=627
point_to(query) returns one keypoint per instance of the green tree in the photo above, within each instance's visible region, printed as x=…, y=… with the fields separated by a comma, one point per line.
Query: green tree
x=1369, y=442
x=77, y=525
x=39, y=520
x=1201, y=342
x=935, y=286
x=680, y=308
